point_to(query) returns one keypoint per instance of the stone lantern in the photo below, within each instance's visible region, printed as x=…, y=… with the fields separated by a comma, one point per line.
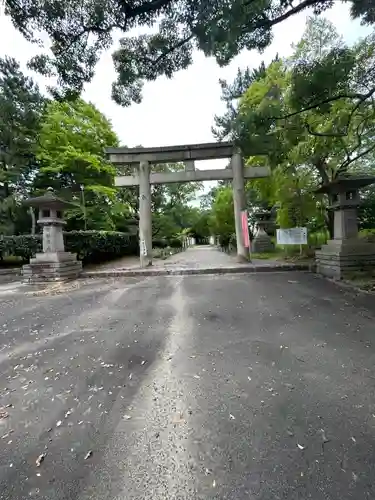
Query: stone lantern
x=262, y=243
x=53, y=264
x=345, y=253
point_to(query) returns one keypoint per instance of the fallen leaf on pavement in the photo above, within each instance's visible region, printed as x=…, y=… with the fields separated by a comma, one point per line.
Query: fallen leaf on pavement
x=40, y=459
x=179, y=419
x=324, y=437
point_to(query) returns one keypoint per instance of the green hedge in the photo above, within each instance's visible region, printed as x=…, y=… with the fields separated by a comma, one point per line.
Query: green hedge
x=24, y=246
x=159, y=243
x=167, y=242
x=175, y=243
x=90, y=246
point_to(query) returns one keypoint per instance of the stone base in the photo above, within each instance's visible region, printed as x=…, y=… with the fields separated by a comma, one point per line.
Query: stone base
x=262, y=243
x=339, y=259
x=40, y=272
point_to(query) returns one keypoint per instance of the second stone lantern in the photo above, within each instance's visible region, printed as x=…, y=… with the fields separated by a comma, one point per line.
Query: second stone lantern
x=54, y=263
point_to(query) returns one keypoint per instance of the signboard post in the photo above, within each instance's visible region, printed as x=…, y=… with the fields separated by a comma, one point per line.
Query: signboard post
x=245, y=231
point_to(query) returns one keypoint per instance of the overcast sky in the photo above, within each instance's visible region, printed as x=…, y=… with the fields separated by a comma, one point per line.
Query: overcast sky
x=180, y=110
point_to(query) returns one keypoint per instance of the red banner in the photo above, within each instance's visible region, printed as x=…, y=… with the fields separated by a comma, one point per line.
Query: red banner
x=245, y=229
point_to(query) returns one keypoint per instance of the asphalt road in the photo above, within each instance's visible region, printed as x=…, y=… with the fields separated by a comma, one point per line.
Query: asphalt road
x=230, y=387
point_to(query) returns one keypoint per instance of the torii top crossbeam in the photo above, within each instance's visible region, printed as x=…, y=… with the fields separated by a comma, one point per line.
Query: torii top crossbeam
x=170, y=154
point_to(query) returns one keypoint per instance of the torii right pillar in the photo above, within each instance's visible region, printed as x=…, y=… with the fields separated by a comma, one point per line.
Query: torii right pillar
x=239, y=203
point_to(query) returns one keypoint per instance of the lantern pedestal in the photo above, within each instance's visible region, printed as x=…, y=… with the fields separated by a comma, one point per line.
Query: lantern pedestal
x=262, y=243
x=53, y=264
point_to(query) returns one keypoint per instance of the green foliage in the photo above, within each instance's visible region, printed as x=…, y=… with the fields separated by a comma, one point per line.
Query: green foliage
x=24, y=246
x=171, y=212
x=175, y=243
x=316, y=112
x=80, y=30
x=71, y=148
x=366, y=215
x=99, y=246
x=21, y=106
x=200, y=228
x=90, y=246
x=159, y=243
x=72, y=141
x=336, y=128
x=222, y=218
x=227, y=126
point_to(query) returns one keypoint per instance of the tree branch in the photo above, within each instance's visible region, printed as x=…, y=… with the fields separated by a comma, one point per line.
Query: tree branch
x=320, y=103
x=323, y=134
x=269, y=23
x=361, y=99
x=345, y=165
x=320, y=165
x=145, y=8
x=171, y=49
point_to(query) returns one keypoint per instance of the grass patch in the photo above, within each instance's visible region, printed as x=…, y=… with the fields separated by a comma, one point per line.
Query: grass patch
x=267, y=256
x=11, y=261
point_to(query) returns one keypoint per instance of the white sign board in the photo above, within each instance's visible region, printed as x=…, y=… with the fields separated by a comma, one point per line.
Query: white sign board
x=143, y=248
x=292, y=236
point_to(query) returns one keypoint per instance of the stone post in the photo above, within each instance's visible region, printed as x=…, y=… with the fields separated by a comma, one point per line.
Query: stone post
x=239, y=203
x=145, y=218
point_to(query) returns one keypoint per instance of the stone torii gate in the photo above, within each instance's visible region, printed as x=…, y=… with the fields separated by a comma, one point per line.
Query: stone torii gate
x=143, y=177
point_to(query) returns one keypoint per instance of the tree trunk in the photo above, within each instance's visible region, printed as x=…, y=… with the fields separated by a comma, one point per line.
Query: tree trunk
x=330, y=223
x=321, y=167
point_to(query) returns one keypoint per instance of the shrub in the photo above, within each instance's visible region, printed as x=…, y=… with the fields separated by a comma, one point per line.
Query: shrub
x=24, y=246
x=175, y=243
x=90, y=246
x=99, y=246
x=367, y=234
x=159, y=243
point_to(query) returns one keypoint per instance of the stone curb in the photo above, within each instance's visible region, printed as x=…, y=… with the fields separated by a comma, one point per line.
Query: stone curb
x=197, y=271
x=348, y=285
x=10, y=271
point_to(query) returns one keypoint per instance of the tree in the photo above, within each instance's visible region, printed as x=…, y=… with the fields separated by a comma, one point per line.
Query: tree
x=170, y=203
x=333, y=136
x=80, y=30
x=225, y=125
x=366, y=215
x=324, y=141
x=222, y=218
x=72, y=140
x=200, y=228
x=21, y=108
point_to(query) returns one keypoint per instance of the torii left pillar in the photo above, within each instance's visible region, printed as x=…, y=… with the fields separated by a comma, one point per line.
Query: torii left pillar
x=239, y=203
x=145, y=217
